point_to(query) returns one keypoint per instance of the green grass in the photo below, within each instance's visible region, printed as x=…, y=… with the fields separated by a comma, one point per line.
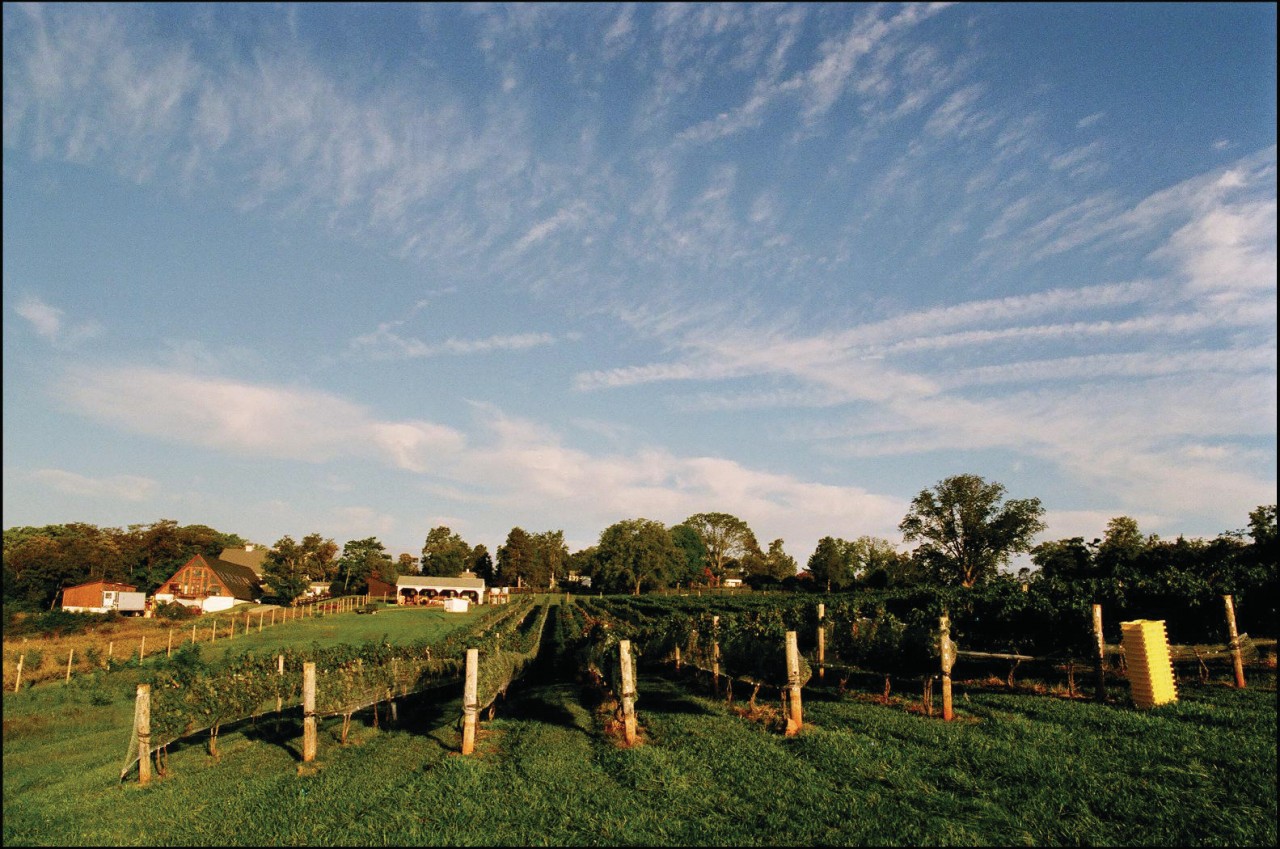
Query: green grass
x=1013, y=769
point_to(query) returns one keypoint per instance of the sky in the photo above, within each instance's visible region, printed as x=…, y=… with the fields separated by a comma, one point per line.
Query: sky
x=366, y=270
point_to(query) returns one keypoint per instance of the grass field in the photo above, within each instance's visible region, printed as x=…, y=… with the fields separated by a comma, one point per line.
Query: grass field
x=1014, y=769
x=121, y=640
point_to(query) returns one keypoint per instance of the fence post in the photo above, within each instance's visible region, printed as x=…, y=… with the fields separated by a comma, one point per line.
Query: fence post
x=822, y=640
x=111, y=647
x=273, y=616
x=677, y=657
x=1237, y=658
x=169, y=651
x=469, y=702
x=795, y=717
x=308, y=711
x=280, y=673
x=260, y=616
x=142, y=648
x=947, y=651
x=1100, y=657
x=70, y=654
x=715, y=654
x=18, y=683
x=142, y=728
x=213, y=631
x=628, y=692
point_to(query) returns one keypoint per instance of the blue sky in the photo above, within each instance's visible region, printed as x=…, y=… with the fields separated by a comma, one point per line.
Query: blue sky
x=366, y=270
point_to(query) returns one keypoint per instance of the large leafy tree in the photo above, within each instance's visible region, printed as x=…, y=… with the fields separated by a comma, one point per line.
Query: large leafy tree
x=158, y=550
x=729, y=541
x=550, y=559
x=41, y=561
x=967, y=530
x=634, y=554
x=482, y=564
x=832, y=564
x=445, y=554
x=290, y=566
x=774, y=565
x=515, y=558
x=694, y=551
x=407, y=564
x=360, y=559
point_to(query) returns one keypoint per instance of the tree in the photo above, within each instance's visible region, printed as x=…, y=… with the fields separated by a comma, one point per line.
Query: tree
x=1064, y=559
x=775, y=565
x=967, y=533
x=154, y=552
x=728, y=539
x=550, y=559
x=876, y=562
x=515, y=558
x=832, y=564
x=695, y=555
x=445, y=555
x=290, y=567
x=40, y=562
x=360, y=559
x=482, y=565
x=634, y=554
x=407, y=564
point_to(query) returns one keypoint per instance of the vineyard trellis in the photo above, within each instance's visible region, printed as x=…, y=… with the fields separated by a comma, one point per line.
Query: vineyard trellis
x=187, y=698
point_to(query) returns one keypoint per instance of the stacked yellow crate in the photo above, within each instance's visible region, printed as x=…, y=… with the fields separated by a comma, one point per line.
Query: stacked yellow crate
x=1146, y=656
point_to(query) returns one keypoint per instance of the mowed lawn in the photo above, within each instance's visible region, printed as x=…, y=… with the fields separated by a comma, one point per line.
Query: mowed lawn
x=1014, y=769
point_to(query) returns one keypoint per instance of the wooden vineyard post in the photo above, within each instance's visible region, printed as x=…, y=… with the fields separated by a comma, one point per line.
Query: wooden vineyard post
x=70, y=654
x=308, y=711
x=142, y=648
x=1237, y=658
x=18, y=682
x=260, y=616
x=273, y=616
x=213, y=631
x=280, y=673
x=947, y=652
x=111, y=647
x=795, y=717
x=246, y=624
x=1100, y=657
x=715, y=654
x=677, y=658
x=169, y=651
x=628, y=692
x=142, y=728
x=822, y=640
x=469, y=702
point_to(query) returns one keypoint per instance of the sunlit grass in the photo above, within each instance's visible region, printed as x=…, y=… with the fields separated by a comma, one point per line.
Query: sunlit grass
x=1014, y=769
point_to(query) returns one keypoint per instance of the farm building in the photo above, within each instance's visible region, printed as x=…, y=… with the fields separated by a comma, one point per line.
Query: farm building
x=103, y=597
x=379, y=588
x=211, y=584
x=421, y=589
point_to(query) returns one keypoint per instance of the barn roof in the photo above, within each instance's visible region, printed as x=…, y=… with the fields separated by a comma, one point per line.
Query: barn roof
x=459, y=583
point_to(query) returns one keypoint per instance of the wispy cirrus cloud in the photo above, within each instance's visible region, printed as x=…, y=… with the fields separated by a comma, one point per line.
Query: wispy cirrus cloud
x=385, y=344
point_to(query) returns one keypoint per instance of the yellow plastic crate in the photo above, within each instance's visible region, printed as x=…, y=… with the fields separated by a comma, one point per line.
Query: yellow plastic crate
x=1146, y=657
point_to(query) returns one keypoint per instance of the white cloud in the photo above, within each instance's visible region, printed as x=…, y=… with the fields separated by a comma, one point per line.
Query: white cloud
x=47, y=321
x=122, y=487
x=227, y=415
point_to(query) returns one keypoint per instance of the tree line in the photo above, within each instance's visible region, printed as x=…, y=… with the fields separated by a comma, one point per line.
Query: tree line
x=965, y=529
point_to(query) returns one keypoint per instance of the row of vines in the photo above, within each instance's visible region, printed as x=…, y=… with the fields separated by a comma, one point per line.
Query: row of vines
x=188, y=697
